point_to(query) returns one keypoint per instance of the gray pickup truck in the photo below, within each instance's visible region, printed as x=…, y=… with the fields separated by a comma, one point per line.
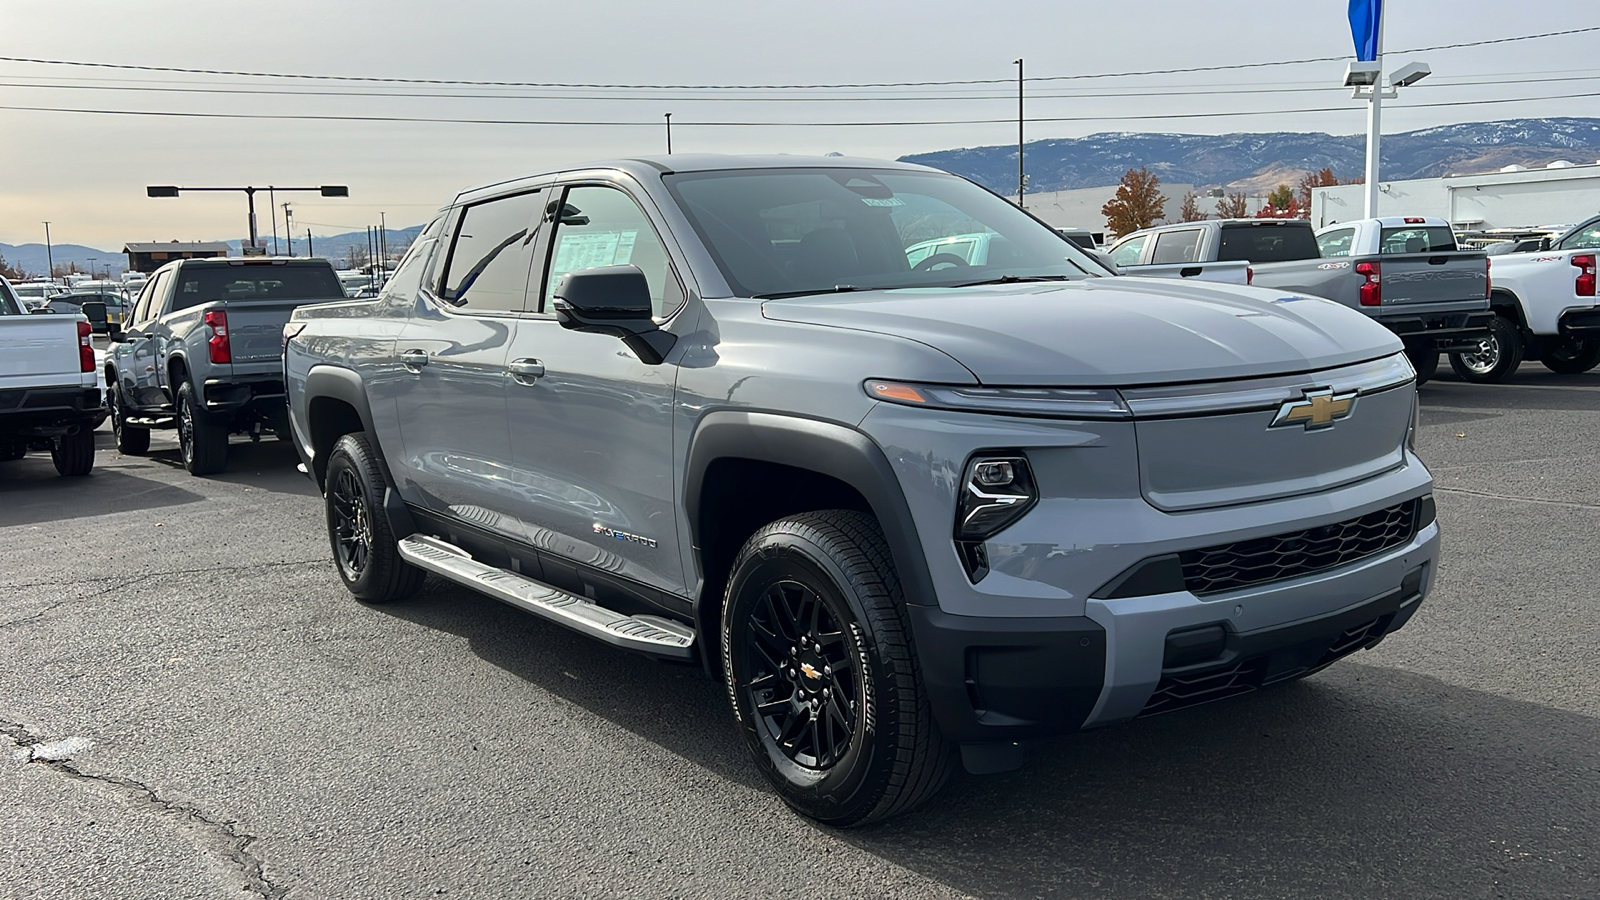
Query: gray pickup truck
x=202, y=352
x=1404, y=272
x=707, y=408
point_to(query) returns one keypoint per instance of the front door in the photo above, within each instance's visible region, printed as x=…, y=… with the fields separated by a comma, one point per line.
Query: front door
x=591, y=425
x=451, y=356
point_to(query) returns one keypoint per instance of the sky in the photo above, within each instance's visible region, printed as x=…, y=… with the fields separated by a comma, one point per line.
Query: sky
x=86, y=172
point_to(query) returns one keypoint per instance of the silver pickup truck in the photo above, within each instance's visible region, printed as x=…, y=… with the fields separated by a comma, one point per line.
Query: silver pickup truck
x=203, y=353
x=1403, y=272
x=48, y=396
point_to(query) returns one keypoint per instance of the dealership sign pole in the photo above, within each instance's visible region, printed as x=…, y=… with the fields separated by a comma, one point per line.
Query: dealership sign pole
x=1366, y=26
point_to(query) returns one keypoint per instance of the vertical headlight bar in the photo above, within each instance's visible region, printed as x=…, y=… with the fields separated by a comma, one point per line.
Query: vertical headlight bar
x=997, y=489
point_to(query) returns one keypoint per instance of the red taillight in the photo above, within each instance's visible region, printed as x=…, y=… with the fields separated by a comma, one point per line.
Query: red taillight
x=1249, y=274
x=1488, y=280
x=1585, y=282
x=85, y=348
x=217, y=321
x=1372, y=290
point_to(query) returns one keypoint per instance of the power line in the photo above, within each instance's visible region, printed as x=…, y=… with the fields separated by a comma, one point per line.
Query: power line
x=765, y=87
x=767, y=124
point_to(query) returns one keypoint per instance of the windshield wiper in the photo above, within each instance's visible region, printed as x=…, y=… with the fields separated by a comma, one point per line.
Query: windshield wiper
x=836, y=289
x=1014, y=279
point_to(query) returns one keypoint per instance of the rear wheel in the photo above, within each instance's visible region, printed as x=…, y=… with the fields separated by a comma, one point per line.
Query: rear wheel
x=1424, y=359
x=131, y=441
x=822, y=675
x=1495, y=358
x=73, y=454
x=364, y=549
x=1571, y=355
x=203, y=444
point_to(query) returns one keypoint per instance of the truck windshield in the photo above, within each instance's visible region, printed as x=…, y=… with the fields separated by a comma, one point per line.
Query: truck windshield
x=1267, y=242
x=203, y=284
x=785, y=232
x=1416, y=240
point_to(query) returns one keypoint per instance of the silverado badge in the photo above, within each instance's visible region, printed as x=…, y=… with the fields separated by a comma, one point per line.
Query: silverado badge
x=1316, y=410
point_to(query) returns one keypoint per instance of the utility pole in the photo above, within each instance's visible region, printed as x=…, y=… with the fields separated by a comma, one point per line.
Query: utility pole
x=669, y=133
x=49, y=256
x=288, y=228
x=310, y=251
x=383, y=245
x=1022, y=180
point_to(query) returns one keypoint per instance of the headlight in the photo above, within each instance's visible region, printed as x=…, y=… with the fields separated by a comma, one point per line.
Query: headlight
x=997, y=489
x=1050, y=403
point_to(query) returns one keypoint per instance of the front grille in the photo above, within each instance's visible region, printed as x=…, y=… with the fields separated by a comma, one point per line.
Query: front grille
x=1243, y=564
x=1354, y=639
x=1180, y=691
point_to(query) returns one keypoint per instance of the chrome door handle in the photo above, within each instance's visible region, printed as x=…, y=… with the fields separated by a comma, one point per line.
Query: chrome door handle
x=414, y=359
x=526, y=371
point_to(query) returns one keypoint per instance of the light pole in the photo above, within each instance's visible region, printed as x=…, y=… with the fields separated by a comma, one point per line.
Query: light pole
x=1021, y=179
x=1365, y=75
x=669, y=133
x=49, y=256
x=288, y=227
x=168, y=190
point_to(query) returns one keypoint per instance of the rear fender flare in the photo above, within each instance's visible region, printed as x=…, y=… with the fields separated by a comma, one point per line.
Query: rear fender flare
x=337, y=383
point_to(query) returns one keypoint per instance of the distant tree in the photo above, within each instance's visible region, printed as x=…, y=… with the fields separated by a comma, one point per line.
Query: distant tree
x=356, y=256
x=1233, y=206
x=1190, y=211
x=1281, y=196
x=1312, y=180
x=10, y=272
x=1138, y=204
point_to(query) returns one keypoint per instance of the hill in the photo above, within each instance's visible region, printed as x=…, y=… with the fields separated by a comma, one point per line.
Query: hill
x=30, y=258
x=1239, y=160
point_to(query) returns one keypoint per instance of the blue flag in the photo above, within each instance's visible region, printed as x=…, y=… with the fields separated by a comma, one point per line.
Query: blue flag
x=1366, y=17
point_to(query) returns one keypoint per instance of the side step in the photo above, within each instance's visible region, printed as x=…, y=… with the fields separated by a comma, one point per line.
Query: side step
x=647, y=634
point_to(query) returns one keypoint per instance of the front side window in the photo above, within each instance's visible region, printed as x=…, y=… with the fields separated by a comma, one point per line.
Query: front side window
x=1336, y=242
x=1127, y=253
x=786, y=232
x=1172, y=247
x=602, y=226
x=487, y=270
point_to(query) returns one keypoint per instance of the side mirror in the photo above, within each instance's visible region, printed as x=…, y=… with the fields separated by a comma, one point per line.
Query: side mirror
x=115, y=333
x=613, y=300
x=1104, y=259
x=1544, y=244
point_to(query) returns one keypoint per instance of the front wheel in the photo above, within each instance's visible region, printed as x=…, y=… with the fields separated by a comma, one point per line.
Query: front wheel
x=364, y=549
x=1495, y=357
x=131, y=441
x=1571, y=356
x=73, y=453
x=820, y=670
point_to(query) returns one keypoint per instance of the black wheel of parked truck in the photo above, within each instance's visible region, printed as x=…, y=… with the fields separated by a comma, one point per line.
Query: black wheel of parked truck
x=202, y=443
x=1424, y=357
x=820, y=669
x=131, y=441
x=1571, y=356
x=73, y=453
x=364, y=548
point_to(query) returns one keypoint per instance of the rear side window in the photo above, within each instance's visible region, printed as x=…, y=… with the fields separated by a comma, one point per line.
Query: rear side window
x=1336, y=242
x=203, y=284
x=487, y=270
x=1127, y=252
x=1177, y=247
x=8, y=301
x=1271, y=242
x=1416, y=240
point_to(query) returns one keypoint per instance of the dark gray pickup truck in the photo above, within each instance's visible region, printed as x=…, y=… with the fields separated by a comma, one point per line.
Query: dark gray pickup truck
x=726, y=410
x=202, y=352
x=1403, y=272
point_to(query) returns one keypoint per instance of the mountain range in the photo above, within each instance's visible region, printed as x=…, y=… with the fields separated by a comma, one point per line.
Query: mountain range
x=1257, y=161
x=31, y=257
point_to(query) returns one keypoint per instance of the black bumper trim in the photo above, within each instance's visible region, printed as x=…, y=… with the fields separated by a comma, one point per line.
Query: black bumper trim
x=1452, y=328
x=224, y=394
x=42, y=411
x=1580, y=322
x=1005, y=679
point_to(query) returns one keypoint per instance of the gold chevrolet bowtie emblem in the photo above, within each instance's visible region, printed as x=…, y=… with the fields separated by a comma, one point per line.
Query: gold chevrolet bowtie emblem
x=810, y=671
x=1317, y=410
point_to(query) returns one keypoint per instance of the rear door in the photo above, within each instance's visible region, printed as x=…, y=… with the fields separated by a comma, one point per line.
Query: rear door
x=451, y=354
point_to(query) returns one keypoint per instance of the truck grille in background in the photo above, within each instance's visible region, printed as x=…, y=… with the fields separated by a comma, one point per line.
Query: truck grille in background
x=1242, y=564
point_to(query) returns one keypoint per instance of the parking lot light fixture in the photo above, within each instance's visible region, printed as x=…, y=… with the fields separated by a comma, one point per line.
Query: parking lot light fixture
x=326, y=190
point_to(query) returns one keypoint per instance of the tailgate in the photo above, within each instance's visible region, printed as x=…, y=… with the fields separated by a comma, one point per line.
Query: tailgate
x=39, y=350
x=255, y=328
x=1417, y=278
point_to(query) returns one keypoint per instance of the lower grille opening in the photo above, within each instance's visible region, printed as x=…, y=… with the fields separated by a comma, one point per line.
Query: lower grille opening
x=1354, y=639
x=1242, y=564
x=1181, y=691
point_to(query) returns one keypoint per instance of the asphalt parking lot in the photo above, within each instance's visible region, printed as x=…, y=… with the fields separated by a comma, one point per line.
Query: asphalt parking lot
x=191, y=706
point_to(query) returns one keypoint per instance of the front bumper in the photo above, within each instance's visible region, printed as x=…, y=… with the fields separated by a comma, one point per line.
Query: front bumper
x=1004, y=680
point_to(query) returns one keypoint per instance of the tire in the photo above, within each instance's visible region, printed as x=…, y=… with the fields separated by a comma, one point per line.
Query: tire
x=1425, y=361
x=814, y=630
x=1497, y=356
x=1570, y=355
x=73, y=454
x=131, y=441
x=203, y=444
x=364, y=549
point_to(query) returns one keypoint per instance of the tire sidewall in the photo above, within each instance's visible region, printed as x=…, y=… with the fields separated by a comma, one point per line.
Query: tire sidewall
x=1567, y=355
x=844, y=791
x=342, y=459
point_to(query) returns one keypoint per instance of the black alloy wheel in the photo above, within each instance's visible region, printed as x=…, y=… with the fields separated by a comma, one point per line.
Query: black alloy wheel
x=822, y=675
x=130, y=441
x=365, y=550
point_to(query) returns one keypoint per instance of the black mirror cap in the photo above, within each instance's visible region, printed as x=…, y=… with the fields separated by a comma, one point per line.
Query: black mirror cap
x=610, y=293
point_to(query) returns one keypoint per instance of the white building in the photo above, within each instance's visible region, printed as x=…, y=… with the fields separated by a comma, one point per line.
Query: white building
x=1561, y=193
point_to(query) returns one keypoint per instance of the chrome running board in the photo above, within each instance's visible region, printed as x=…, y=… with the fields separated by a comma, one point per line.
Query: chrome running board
x=647, y=634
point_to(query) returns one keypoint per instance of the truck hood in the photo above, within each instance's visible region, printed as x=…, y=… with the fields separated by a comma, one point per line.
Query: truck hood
x=1107, y=331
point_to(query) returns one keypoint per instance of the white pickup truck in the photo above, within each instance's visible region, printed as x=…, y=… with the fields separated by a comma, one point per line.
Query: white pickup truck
x=1545, y=308
x=49, y=392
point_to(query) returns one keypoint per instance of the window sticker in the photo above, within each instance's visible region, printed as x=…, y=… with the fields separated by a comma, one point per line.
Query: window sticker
x=594, y=249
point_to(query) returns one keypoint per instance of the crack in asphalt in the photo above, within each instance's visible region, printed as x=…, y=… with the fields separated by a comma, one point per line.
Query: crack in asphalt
x=220, y=836
x=1492, y=496
x=125, y=582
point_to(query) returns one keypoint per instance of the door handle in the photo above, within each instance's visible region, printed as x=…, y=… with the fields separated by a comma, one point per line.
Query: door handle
x=414, y=359
x=526, y=371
